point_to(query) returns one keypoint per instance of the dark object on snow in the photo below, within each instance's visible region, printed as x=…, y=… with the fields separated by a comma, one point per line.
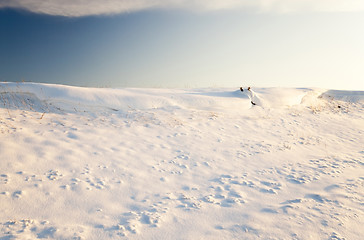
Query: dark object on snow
x=250, y=95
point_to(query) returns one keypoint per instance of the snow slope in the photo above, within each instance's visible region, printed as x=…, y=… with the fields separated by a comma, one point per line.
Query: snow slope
x=88, y=163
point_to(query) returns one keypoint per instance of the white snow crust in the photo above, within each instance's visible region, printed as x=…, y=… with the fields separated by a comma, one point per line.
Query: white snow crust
x=92, y=163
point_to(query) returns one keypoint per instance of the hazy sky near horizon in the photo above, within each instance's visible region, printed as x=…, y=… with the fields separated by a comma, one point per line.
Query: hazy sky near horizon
x=184, y=43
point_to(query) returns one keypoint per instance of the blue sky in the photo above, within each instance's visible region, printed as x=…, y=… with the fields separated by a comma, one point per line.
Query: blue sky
x=184, y=45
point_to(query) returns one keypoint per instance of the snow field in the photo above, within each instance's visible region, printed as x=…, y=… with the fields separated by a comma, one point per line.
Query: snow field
x=83, y=163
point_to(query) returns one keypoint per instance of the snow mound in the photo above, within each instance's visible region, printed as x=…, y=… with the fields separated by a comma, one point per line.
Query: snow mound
x=43, y=97
x=23, y=101
x=346, y=96
x=279, y=97
x=122, y=99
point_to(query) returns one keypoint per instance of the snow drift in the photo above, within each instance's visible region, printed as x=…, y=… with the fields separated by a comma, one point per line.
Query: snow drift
x=124, y=99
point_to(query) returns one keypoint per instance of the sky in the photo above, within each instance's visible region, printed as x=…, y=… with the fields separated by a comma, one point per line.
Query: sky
x=184, y=43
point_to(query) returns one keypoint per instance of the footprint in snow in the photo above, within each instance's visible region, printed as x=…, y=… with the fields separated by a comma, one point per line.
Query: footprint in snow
x=226, y=191
x=53, y=175
x=188, y=203
x=33, y=229
x=132, y=222
x=18, y=194
x=72, y=135
x=4, y=179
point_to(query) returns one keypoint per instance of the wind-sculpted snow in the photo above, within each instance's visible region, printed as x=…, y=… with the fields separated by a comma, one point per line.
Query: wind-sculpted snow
x=142, y=99
x=125, y=99
x=88, y=163
x=347, y=96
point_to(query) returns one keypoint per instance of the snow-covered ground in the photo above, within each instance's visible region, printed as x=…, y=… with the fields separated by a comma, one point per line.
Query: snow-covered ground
x=87, y=163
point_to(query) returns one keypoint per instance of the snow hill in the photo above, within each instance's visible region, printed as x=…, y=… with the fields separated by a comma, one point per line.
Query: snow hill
x=91, y=163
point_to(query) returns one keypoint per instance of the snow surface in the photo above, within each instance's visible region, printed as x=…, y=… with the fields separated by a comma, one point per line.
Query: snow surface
x=89, y=163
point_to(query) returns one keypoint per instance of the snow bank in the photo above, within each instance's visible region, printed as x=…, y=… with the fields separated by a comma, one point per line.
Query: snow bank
x=347, y=96
x=53, y=98
x=280, y=97
x=208, y=99
x=125, y=99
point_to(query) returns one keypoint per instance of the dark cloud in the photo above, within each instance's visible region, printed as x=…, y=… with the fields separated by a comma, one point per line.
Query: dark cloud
x=77, y=8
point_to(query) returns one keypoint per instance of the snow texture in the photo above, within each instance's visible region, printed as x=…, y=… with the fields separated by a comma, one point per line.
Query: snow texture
x=89, y=163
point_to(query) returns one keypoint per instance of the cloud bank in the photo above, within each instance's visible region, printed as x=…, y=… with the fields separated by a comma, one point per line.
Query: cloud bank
x=78, y=8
